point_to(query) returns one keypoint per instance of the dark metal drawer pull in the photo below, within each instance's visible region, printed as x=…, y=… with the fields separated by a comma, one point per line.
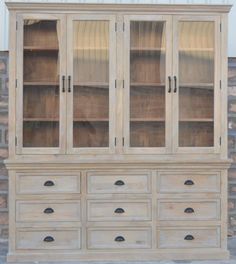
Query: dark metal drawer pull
x=189, y=210
x=49, y=183
x=48, y=239
x=69, y=82
x=189, y=182
x=48, y=211
x=119, y=211
x=175, y=80
x=189, y=237
x=119, y=183
x=119, y=239
x=63, y=83
x=169, y=79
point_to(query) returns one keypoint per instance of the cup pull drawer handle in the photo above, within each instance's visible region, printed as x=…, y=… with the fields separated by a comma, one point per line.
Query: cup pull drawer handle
x=49, y=183
x=119, y=183
x=48, y=211
x=189, y=182
x=189, y=210
x=48, y=239
x=189, y=237
x=119, y=239
x=119, y=211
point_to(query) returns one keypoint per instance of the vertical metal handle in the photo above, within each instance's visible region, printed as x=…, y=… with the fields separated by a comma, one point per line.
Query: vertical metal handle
x=175, y=81
x=63, y=83
x=69, y=79
x=169, y=79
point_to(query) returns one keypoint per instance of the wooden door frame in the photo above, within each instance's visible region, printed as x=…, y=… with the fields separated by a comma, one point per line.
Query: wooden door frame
x=112, y=79
x=19, y=90
x=217, y=100
x=168, y=96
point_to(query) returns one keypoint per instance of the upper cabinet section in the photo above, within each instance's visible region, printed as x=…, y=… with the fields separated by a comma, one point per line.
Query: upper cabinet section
x=197, y=83
x=91, y=72
x=147, y=64
x=92, y=83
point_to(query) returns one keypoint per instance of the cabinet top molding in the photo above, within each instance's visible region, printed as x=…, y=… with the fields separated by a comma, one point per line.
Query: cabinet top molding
x=165, y=8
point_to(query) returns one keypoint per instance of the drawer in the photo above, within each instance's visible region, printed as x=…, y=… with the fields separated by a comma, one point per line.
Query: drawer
x=119, y=210
x=189, y=238
x=114, y=182
x=115, y=238
x=40, y=211
x=191, y=210
x=192, y=182
x=34, y=183
x=47, y=239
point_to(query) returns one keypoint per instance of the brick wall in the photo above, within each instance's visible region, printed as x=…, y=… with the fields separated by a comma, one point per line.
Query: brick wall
x=3, y=147
x=3, y=152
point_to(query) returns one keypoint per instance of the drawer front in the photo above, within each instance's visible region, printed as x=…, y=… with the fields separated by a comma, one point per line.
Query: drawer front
x=48, y=239
x=189, y=238
x=47, y=211
x=105, y=182
x=104, y=210
x=119, y=238
x=47, y=184
x=191, y=210
x=192, y=182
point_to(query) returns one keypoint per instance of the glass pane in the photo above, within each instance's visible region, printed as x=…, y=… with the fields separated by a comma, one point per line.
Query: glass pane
x=147, y=83
x=91, y=84
x=41, y=84
x=196, y=84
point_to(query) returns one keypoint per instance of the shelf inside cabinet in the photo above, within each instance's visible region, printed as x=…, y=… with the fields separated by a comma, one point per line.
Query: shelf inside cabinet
x=196, y=49
x=103, y=85
x=147, y=49
x=91, y=48
x=196, y=120
x=39, y=83
x=40, y=48
x=90, y=119
x=147, y=120
x=209, y=86
x=144, y=84
x=41, y=119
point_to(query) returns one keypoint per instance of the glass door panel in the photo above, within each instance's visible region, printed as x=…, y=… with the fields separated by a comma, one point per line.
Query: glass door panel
x=147, y=84
x=41, y=89
x=91, y=84
x=196, y=53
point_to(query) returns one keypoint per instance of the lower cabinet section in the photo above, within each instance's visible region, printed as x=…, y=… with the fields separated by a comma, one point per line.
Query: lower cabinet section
x=120, y=214
x=48, y=239
x=189, y=237
x=123, y=238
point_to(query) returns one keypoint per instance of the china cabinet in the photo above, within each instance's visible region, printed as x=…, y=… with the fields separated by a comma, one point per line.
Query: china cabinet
x=117, y=132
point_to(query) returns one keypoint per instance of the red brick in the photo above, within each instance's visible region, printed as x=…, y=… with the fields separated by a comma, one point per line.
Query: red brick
x=3, y=200
x=3, y=185
x=232, y=174
x=3, y=218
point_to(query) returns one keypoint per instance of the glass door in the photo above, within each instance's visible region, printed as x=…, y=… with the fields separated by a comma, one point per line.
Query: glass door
x=91, y=83
x=40, y=104
x=147, y=100
x=196, y=84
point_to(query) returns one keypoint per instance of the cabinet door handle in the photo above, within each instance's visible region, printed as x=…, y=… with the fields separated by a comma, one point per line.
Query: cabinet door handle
x=119, y=211
x=169, y=79
x=175, y=81
x=69, y=82
x=119, y=239
x=189, y=210
x=189, y=237
x=49, y=183
x=48, y=211
x=63, y=83
x=119, y=183
x=189, y=182
x=48, y=239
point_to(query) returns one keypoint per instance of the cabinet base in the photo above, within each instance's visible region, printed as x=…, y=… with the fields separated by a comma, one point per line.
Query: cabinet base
x=184, y=254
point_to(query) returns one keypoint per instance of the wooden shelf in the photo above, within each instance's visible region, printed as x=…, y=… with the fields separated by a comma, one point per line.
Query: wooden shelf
x=196, y=49
x=197, y=85
x=103, y=85
x=38, y=48
x=90, y=119
x=147, y=120
x=92, y=48
x=41, y=119
x=147, y=84
x=41, y=83
x=196, y=120
x=146, y=49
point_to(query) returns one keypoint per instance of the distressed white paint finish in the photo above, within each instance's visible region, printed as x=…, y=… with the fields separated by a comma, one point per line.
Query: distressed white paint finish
x=232, y=16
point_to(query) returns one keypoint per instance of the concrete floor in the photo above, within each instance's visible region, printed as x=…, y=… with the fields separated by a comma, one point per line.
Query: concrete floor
x=231, y=245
